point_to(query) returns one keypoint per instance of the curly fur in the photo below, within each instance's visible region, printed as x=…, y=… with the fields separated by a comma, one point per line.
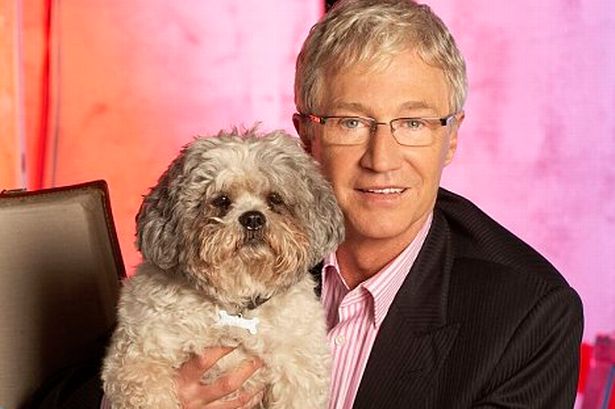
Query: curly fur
x=200, y=259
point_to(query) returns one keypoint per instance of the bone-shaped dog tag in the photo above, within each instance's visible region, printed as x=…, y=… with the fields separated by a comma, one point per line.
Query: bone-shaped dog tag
x=238, y=321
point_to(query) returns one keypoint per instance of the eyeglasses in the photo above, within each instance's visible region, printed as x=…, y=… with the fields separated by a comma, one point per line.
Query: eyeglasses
x=356, y=130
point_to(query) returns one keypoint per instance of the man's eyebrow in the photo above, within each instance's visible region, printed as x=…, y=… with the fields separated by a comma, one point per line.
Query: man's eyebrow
x=352, y=106
x=406, y=106
x=419, y=104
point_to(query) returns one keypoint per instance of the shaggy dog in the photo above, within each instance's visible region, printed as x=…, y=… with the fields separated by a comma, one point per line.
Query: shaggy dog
x=228, y=236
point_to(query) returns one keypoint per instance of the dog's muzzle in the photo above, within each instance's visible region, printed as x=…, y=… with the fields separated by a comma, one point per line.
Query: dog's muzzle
x=253, y=220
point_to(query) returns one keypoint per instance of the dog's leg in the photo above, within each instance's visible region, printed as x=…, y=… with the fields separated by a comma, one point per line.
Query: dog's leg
x=299, y=355
x=305, y=387
x=140, y=383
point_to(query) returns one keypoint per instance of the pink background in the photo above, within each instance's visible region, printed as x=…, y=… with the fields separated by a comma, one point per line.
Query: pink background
x=133, y=81
x=537, y=150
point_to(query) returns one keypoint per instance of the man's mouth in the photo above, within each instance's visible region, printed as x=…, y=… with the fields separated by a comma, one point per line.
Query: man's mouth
x=384, y=191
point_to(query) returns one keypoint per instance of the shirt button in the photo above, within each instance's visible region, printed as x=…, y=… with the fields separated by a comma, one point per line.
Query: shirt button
x=339, y=340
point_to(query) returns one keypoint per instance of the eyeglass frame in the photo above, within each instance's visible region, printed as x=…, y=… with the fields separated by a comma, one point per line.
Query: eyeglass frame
x=322, y=120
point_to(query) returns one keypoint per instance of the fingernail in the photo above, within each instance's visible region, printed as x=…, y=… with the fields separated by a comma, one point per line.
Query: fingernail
x=256, y=363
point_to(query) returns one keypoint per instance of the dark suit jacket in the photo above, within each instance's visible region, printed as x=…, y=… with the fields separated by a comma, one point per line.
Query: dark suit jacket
x=482, y=321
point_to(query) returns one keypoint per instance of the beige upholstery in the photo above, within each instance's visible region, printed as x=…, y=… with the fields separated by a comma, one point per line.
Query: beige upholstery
x=59, y=269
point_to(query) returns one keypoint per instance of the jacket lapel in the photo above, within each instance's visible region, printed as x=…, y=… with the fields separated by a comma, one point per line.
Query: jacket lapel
x=414, y=338
x=316, y=273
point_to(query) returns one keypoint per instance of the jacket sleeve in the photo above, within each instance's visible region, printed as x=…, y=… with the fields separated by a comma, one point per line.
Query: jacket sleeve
x=78, y=386
x=540, y=365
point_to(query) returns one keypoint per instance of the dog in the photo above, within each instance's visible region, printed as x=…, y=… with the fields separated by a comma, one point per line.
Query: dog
x=228, y=236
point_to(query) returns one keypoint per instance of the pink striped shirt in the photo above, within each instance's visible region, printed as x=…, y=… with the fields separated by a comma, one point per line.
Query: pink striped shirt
x=104, y=404
x=354, y=317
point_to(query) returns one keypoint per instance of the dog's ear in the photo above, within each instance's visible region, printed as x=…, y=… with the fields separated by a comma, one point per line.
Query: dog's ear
x=157, y=222
x=324, y=217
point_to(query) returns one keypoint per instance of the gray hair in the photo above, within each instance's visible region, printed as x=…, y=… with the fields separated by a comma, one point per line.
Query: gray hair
x=371, y=31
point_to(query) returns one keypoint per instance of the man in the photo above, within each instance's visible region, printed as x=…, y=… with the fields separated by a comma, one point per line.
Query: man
x=430, y=303
x=452, y=311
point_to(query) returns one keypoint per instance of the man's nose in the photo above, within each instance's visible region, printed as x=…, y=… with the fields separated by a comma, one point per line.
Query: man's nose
x=382, y=153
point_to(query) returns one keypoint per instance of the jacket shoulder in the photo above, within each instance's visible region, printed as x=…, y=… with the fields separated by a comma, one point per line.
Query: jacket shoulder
x=484, y=247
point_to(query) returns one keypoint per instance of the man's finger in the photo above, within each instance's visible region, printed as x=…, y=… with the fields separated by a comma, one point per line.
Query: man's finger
x=245, y=400
x=199, y=364
x=231, y=380
x=253, y=400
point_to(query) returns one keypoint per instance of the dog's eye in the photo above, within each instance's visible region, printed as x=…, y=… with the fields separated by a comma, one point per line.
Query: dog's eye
x=274, y=199
x=222, y=202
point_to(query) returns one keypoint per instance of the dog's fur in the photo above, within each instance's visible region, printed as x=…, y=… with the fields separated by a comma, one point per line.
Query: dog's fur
x=200, y=259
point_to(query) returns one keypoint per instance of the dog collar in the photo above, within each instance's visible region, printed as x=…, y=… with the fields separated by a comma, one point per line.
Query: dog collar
x=256, y=302
x=229, y=320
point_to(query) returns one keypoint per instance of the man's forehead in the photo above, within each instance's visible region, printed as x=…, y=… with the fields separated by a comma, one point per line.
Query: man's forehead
x=412, y=105
x=401, y=81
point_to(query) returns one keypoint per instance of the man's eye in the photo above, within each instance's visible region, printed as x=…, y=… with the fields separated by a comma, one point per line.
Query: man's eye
x=221, y=202
x=412, y=124
x=351, y=123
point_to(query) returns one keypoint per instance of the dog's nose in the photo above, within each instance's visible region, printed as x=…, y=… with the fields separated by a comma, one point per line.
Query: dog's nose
x=252, y=220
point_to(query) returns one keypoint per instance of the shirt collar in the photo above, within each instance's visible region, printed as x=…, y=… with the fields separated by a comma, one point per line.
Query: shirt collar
x=384, y=285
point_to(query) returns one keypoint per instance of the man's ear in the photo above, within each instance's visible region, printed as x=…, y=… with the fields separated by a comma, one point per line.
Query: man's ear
x=452, y=139
x=302, y=130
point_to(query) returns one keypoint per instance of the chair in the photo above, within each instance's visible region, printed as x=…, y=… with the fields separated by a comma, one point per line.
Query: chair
x=60, y=271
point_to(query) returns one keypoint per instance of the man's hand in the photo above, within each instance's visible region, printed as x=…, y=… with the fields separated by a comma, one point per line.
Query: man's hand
x=193, y=394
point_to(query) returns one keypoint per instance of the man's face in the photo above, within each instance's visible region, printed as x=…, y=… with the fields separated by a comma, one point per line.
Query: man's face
x=384, y=189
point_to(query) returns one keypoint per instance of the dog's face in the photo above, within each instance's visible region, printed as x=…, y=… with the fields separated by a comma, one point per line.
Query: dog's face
x=241, y=216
